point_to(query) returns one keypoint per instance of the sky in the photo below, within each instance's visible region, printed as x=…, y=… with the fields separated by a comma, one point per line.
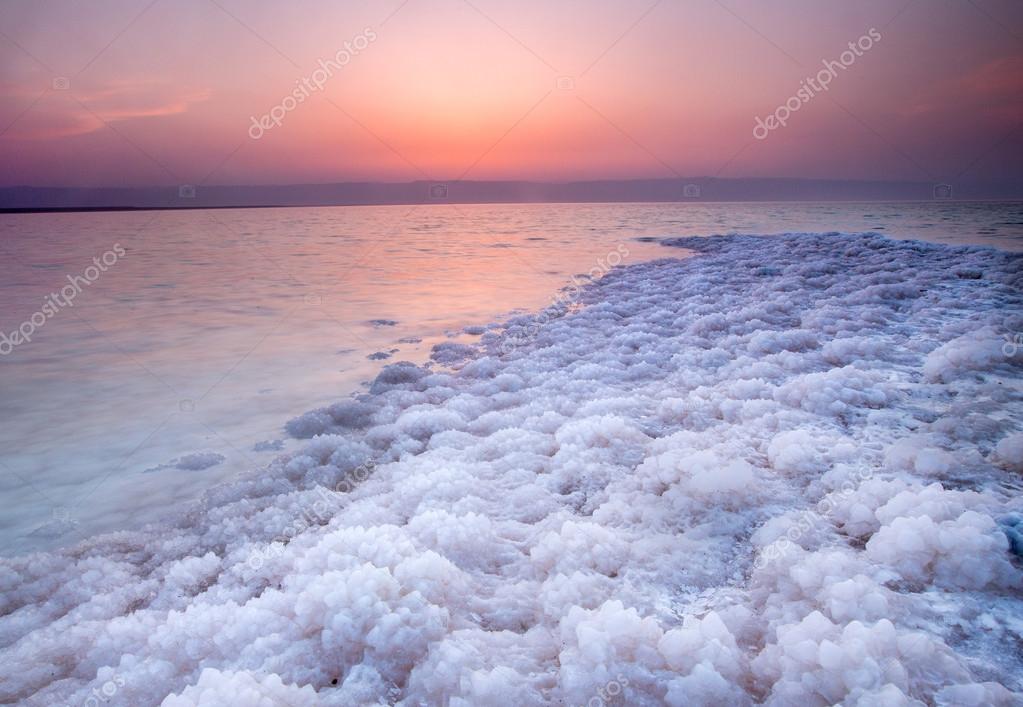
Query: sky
x=162, y=92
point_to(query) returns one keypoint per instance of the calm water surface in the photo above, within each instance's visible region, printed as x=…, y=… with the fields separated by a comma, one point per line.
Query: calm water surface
x=216, y=327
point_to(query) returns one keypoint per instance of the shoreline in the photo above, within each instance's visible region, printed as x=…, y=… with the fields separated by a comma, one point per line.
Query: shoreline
x=649, y=458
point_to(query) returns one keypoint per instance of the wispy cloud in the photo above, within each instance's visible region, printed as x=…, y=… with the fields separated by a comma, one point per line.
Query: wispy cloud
x=994, y=88
x=85, y=110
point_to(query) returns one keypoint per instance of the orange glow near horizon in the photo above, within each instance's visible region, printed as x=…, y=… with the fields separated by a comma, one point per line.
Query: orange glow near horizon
x=490, y=90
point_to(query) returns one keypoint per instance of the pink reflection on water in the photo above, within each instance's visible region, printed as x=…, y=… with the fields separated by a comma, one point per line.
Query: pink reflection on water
x=216, y=327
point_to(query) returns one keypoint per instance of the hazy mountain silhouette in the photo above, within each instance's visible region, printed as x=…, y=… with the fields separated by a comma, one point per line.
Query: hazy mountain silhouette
x=469, y=192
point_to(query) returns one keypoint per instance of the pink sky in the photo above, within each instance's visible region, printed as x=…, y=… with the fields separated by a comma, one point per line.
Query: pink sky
x=164, y=92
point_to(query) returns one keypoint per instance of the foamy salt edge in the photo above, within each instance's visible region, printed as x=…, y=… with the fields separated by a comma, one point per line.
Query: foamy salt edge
x=785, y=470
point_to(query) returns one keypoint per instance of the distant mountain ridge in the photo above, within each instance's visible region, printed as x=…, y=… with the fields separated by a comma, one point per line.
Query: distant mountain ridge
x=696, y=189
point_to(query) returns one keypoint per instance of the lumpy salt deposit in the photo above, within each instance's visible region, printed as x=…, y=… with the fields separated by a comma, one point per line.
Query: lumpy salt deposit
x=785, y=470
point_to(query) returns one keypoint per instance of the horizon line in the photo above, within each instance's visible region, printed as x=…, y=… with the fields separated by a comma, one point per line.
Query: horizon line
x=30, y=199
x=551, y=182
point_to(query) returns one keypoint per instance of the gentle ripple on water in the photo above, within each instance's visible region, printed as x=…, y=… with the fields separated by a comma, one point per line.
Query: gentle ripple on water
x=218, y=326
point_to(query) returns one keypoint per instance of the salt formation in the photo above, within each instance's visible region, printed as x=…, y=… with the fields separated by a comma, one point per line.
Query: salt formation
x=784, y=471
x=196, y=461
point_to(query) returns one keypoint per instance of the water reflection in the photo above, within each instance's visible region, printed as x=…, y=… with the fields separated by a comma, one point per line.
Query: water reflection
x=218, y=326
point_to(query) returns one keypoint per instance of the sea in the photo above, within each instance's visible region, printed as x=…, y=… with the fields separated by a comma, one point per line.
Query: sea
x=146, y=356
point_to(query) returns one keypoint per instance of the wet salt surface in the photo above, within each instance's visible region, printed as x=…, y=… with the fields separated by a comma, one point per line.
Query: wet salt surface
x=785, y=470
